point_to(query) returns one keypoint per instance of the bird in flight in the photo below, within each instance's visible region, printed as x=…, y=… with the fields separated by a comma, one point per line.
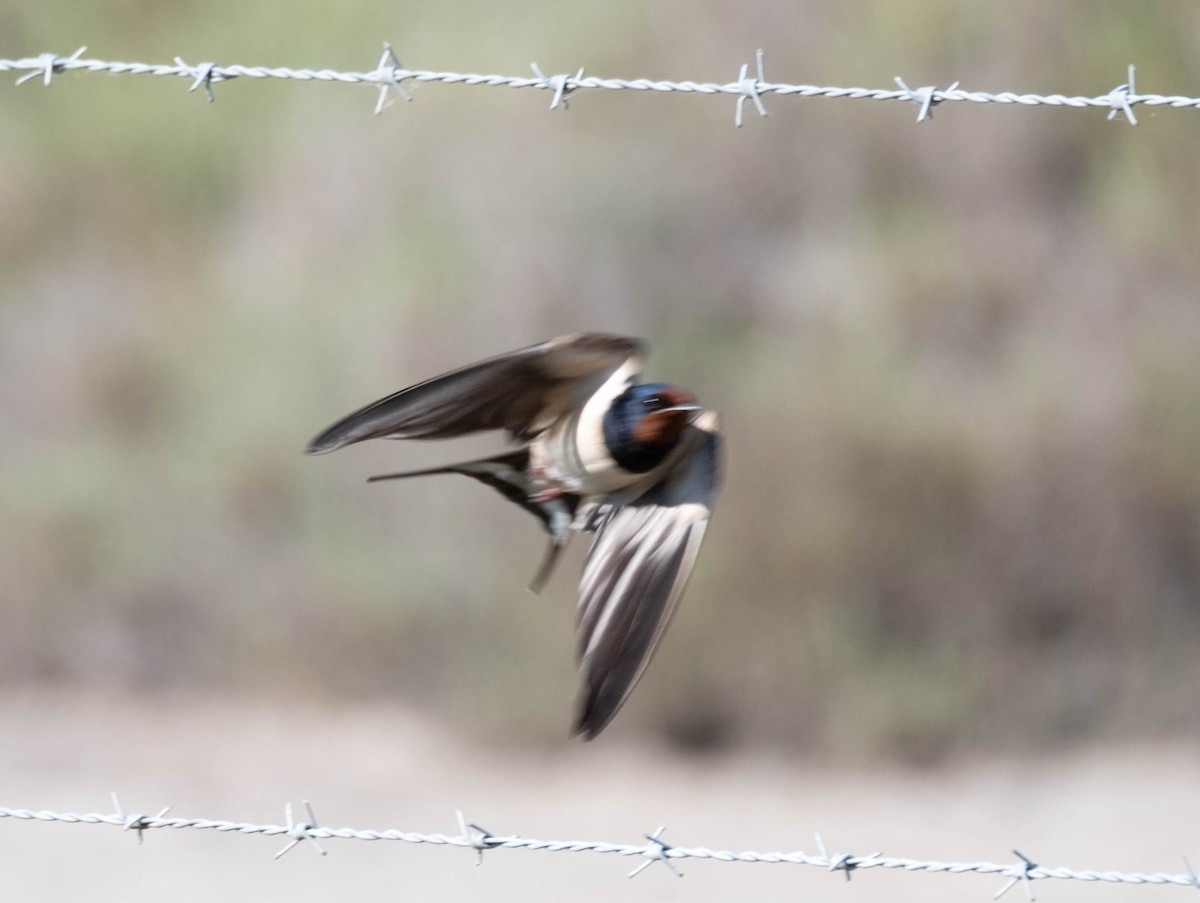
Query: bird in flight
x=637, y=464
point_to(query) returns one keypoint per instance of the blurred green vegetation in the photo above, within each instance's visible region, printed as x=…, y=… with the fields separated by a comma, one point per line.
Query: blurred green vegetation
x=957, y=363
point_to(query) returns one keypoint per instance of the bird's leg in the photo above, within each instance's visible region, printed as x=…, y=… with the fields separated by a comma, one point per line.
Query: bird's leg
x=559, y=526
x=560, y=520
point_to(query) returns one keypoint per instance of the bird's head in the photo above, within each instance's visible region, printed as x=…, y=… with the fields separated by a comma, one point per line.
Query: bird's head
x=645, y=422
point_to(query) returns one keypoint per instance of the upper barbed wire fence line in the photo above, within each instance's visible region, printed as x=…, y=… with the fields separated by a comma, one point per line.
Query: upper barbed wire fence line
x=389, y=75
x=473, y=837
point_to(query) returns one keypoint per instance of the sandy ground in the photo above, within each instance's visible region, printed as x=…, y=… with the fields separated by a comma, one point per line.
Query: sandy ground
x=1135, y=808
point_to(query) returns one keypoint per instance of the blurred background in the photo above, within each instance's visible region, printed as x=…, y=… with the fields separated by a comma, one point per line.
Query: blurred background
x=956, y=363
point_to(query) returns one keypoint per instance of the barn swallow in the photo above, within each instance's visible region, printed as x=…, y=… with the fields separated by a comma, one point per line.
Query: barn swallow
x=637, y=464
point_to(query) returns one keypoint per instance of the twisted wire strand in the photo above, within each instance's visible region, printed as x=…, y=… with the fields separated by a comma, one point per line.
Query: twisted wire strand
x=480, y=840
x=1119, y=99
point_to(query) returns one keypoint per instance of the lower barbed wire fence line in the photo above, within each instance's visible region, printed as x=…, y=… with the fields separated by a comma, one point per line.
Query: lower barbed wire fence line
x=389, y=77
x=655, y=849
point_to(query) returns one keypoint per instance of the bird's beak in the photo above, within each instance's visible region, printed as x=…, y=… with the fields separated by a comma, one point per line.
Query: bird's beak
x=694, y=409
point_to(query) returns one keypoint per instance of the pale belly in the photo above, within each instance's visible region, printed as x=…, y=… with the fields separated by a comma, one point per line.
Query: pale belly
x=572, y=457
x=571, y=454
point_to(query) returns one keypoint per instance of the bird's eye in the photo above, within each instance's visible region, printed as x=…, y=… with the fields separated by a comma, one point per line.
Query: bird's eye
x=653, y=402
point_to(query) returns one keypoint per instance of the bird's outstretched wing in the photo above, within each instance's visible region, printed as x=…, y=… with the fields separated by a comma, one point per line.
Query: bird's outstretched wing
x=635, y=573
x=521, y=392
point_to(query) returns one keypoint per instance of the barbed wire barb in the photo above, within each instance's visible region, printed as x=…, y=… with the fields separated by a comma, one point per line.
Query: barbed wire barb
x=203, y=74
x=926, y=97
x=479, y=839
x=386, y=73
x=656, y=850
x=1122, y=98
x=559, y=84
x=136, y=821
x=841, y=862
x=1191, y=874
x=749, y=90
x=1023, y=875
x=300, y=831
x=50, y=63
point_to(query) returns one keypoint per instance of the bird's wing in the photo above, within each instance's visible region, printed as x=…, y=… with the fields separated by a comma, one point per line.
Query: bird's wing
x=522, y=392
x=635, y=573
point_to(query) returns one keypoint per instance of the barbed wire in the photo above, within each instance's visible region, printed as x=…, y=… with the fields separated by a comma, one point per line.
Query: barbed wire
x=471, y=836
x=389, y=77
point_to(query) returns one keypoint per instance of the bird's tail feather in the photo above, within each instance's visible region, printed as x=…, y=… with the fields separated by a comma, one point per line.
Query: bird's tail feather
x=506, y=473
